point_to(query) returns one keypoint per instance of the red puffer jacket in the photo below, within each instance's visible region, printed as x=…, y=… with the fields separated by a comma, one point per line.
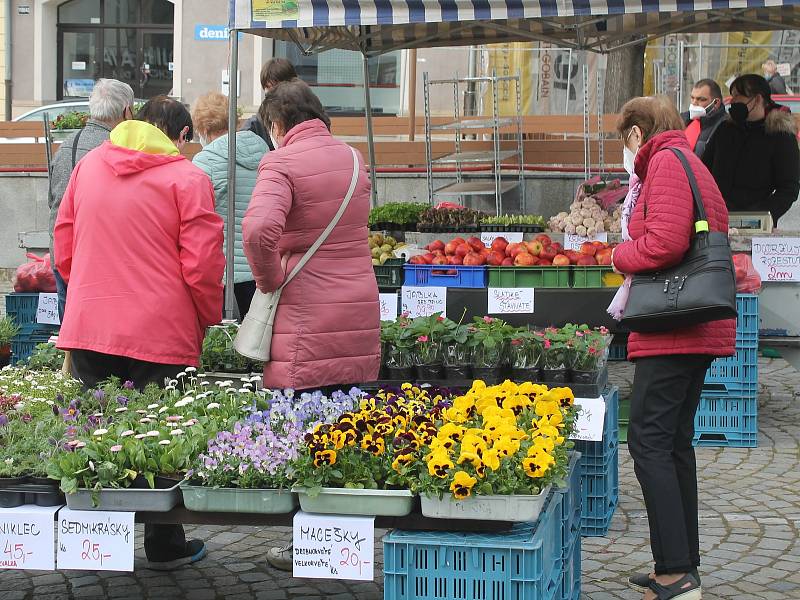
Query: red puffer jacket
x=660, y=227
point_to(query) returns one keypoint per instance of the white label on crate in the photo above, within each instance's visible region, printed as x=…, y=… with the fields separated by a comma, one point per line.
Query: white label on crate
x=420, y=301
x=589, y=427
x=777, y=259
x=47, y=310
x=95, y=540
x=388, y=304
x=27, y=537
x=487, y=237
x=573, y=242
x=333, y=547
x=504, y=301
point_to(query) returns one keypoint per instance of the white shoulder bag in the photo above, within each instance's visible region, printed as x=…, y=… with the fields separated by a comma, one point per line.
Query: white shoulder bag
x=254, y=337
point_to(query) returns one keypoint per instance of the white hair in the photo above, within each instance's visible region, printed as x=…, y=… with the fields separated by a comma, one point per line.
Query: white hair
x=109, y=99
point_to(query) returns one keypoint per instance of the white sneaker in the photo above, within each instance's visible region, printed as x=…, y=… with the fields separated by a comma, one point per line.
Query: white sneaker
x=280, y=557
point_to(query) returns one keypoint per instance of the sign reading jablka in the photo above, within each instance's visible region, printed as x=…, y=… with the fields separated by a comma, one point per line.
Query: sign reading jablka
x=777, y=258
x=420, y=301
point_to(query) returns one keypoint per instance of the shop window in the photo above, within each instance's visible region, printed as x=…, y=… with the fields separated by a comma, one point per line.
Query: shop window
x=120, y=12
x=158, y=12
x=80, y=12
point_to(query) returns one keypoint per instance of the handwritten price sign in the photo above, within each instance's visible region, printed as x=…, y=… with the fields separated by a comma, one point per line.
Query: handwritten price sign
x=777, y=259
x=388, y=304
x=421, y=301
x=502, y=301
x=487, y=237
x=47, y=309
x=95, y=540
x=333, y=547
x=27, y=537
x=589, y=427
x=573, y=242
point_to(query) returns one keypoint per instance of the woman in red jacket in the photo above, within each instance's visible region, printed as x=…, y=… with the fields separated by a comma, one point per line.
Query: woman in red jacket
x=670, y=366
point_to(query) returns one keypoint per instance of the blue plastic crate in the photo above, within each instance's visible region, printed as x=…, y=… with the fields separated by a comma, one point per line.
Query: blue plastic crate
x=593, y=453
x=747, y=321
x=571, y=502
x=446, y=276
x=737, y=374
x=22, y=307
x=600, y=494
x=599, y=526
x=521, y=564
x=727, y=421
x=23, y=346
x=618, y=350
x=571, y=572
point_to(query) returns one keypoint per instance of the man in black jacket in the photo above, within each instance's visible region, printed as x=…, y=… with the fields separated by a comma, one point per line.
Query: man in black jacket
x=705, y=114
x=754, y=155
x=776, y=82
x=274, y=71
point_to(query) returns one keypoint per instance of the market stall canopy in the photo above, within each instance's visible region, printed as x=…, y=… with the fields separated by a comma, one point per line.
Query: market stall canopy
x=375, y=27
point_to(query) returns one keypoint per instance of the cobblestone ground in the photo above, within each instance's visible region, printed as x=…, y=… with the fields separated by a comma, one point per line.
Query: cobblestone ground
x=750, y=516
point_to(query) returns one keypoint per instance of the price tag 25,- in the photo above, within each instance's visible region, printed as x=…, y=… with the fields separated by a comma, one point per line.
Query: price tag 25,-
x=95, y=540
x=333, y=547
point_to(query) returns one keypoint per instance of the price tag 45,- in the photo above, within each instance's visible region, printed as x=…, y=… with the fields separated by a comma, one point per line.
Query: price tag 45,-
x=27, y=537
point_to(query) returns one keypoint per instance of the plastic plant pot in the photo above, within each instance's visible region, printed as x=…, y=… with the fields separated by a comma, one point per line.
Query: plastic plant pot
x=346, y=501
x=235, y=500
x=585, y=377
x=460, y=372
x=532, y=374
x=486, y=508
x=429, y=372
x=554, y=375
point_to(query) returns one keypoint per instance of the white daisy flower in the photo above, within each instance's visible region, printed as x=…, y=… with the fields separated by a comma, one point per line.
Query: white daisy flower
x=100, y=431
x=164, y=442
x=176, y=432
x=152, y=434
x=126, y=433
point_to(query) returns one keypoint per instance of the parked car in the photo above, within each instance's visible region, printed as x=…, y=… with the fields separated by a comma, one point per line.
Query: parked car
x=54, y=110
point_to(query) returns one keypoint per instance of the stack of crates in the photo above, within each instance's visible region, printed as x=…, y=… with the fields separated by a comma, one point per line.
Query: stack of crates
x=728, y=411
x=599, y=465
x=571, y=502
x=525, y=562
x=22, y=308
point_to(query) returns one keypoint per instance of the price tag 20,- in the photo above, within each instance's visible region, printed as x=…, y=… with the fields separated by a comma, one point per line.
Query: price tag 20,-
x=95, y=540
x=333, y=547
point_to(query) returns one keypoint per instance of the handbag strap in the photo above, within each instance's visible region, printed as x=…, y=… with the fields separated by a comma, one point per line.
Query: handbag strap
x=324, y=235
x=701, y=224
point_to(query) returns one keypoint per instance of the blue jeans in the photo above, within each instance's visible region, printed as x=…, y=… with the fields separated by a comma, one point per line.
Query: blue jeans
x=61, y=290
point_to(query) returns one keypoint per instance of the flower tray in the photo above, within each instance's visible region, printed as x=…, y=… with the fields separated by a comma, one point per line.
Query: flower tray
x=346, y=501
x=486, y=508
x=234, y=500
x=500, y=228
x=12, y=496
x=163, y=498
x=390, y=273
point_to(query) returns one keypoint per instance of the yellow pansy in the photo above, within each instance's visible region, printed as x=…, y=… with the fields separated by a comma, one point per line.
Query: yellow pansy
x=325, y=457
x=462, y=484
x=438, y=464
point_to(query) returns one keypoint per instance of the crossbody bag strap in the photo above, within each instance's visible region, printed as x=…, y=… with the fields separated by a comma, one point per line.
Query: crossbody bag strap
x=324, y=235
x=75, y=148
x=701, y=222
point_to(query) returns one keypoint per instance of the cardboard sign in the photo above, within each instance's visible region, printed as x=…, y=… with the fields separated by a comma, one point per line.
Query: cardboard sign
x=95, y=540
x=589, y=427
x=777, y=258
x=47, y=309
x=504, y=301
x=388, y=303
x=420, y=301
x=487, y=237
x=333, y=547
x=27, y=537
x=573, y=242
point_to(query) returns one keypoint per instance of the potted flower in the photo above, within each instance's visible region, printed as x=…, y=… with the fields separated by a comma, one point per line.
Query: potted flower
x=488, y=340
x=457, y=352
x=8, y=329
x=218, y=354
x=429, y=337
x=398, y=339
x=558, y=354
x=496, y=453
x=525, y=354
x=591, y=353
x=67, y=123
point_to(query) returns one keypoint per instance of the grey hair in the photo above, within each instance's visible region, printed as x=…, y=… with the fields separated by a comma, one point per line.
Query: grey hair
x=109, y=99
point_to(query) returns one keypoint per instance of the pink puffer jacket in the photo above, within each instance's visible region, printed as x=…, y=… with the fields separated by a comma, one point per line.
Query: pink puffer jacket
x=660, y=228
x=327, y=328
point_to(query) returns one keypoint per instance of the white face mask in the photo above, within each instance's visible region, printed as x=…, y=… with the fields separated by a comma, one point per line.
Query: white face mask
x=695, y=112
x=629, y=159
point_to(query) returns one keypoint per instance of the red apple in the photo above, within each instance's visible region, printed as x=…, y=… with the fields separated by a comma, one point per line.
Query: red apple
x=515, y=248
x=475, y=243
x=455, y=260
x=573, y=256
x=560, y=260
x=458, y=241
x=484, y=251
x=463, y=250
x=548, y=253
x=524, y=259
x=598, y=244
x=450, y=248
x=603, y=256
x=499, y=244
x=543, y=262
x=586, y=261
x=473, y=259
x=588, y=248
x=544, y=239
x=440, y=260
x=534, y=247
x=557, y=247
x=495, y=258
x=435, y=245
x=428, y=258
x=507, y=262
x=438, y=253
x=416, y=260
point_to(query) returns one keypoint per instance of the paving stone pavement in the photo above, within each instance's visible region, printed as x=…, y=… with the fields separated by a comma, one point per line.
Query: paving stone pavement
x=750, y=516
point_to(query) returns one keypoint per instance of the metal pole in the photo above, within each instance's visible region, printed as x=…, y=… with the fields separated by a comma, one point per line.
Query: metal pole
x=680, y=73
x=699, y=61
x=428, y=154
x=7, y=56
x=370, y=136
x=48, y=145
x=587, y=157
x=412, y=94
x=230, y=225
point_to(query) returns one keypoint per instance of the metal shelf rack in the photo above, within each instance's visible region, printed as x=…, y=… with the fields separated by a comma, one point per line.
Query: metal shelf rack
x=474, y=125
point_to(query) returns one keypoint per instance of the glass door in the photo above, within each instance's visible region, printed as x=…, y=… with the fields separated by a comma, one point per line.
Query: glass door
x=155, y=63
x=80, y=65
x=120, y=60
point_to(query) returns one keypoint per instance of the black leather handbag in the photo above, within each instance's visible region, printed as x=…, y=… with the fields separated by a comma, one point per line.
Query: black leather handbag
x=701, y=288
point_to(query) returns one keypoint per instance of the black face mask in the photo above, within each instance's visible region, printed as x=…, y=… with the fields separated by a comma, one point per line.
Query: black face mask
x=739, y=112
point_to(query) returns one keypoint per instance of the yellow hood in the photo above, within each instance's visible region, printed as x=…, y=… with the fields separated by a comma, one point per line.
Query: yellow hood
x=143, y=137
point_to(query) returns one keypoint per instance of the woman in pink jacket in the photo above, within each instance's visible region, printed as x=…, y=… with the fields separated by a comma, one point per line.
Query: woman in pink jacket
x=327, y=325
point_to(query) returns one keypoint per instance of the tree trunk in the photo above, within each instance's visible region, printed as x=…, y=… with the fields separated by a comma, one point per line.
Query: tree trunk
x=624, y=77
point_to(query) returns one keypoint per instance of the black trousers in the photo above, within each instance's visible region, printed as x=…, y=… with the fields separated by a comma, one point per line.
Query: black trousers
x=161, y=542
x=666, y=393
x=244, y=295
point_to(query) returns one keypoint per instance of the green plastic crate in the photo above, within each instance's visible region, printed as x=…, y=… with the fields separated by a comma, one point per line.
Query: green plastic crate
x=523, y=277
x=390, y=273
x=589, y=276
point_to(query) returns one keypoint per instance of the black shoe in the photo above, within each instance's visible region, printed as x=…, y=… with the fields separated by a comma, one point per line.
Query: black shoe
x=686, y=588
x=195, y=550
x=641, y=581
